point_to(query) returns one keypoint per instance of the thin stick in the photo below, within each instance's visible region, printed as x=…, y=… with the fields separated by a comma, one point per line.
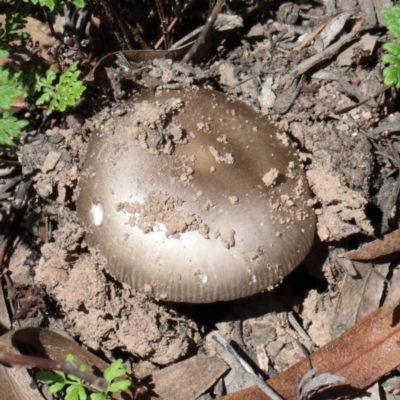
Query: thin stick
x=178, y=14
x=68, y=367
x=215, y=335
x=171, y=25
x=349, y=108
x=50, y=23
x=202, y=37
x=328, y=53
x=164, y=24
x=186, y=38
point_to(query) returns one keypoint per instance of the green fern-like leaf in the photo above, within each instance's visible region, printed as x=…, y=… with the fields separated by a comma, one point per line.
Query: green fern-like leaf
x=75, y=392
x=391, y=73
x=9, y=128
x=65, y=93
x=79, y=3
x=391, y=59
x=75, y=389
x=7, y=94
x=392, y=48
x=97, y=396
x=391, y=16
x=43, y=3
x=391, y=76
x=13, y=22
x=55, y=6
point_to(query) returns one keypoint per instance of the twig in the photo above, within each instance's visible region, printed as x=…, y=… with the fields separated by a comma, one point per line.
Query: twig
x=68, y=367
x=49, y=23
x=3, y=249
x=164, y=24
x=170, y=26
x=300, y=331
x=201, y=39
x=117, y=23
x=240, y=83
x=137, y=36
x=178, y=14
x=186, y=38
x=373, y=95
x=9, y=287
x=306, y=355
x=327, y=53
x=258, y=381
x=314, y=32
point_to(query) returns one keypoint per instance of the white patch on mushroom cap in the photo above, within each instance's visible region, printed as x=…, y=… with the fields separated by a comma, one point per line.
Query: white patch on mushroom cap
x=97, y=214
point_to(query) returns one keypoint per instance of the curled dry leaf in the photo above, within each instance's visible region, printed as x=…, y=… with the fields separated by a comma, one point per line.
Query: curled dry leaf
x=378, y=248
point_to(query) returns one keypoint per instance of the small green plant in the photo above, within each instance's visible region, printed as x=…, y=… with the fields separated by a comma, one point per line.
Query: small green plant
x=75, y=389
x=391, y=74
x=31, y=80
x=65, y=93
x=13, y=22
x=55, y=4
x=10, y=127
x=10, y=89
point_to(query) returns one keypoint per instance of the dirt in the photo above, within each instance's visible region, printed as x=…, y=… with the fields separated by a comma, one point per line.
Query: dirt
x=336, y=152
x=160, y=208
x=102, y=315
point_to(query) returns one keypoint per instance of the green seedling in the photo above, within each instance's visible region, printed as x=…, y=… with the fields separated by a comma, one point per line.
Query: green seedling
x=10, y=127
x=16, y=82
x=391, y=73
x=65, y=93
x=8, y=33
x=10, y=89
x=75, y=389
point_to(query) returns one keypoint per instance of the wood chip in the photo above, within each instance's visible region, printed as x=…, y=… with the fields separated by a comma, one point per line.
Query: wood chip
x=366, y=43
x=311, y=35
x=333, y=28
x=188, y=379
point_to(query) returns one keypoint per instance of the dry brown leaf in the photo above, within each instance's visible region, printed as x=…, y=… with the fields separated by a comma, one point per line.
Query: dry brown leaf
x=361, y=355
x=359, y=296
x=378, y=248
x=188, y=379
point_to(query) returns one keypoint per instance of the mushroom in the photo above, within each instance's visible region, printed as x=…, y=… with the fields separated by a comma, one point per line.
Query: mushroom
x=191, y=197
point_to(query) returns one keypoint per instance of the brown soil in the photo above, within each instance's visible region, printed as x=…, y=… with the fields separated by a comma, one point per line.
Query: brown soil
x=337, y=152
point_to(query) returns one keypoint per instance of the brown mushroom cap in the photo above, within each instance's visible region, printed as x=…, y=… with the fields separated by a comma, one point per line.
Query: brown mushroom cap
x=192, y=198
